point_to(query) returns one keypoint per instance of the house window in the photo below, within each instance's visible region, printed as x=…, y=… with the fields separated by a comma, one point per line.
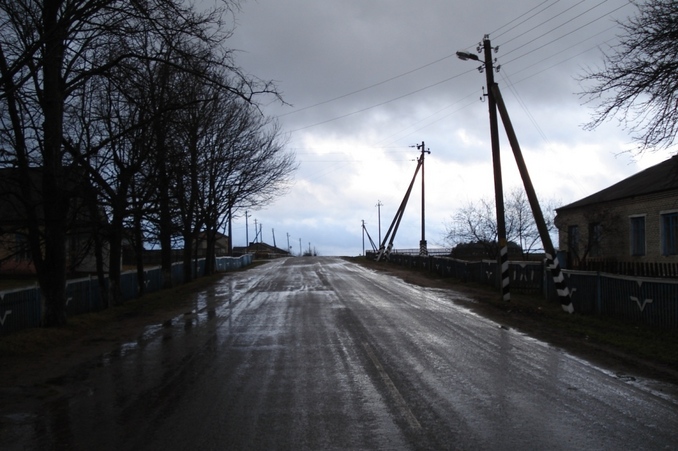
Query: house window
x=637, y=227
x=573, y=240
x=595, y=238
x=670, y=233
x=22, y=252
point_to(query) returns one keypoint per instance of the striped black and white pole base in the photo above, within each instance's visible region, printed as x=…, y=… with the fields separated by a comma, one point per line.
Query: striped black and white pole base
x=423, y=250
x=505, y=288
x=561, y=284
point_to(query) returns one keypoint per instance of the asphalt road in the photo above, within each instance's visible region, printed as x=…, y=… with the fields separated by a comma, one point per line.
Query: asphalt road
x=319, y=353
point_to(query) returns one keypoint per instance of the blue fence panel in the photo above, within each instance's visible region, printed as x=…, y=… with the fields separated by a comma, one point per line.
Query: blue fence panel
x=83, y=296
x=526, y=277
x=651, y=301
x=584, y=290
x=19, y=309
x=129, y=285
x=177, y=273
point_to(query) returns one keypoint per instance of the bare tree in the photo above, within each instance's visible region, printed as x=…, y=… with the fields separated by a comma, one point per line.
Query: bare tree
x=475, y=223
x=638, y=82
x=48, y=50
x=601, y=234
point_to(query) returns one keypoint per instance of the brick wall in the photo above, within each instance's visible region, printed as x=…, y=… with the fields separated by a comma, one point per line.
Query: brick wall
x=615, y=219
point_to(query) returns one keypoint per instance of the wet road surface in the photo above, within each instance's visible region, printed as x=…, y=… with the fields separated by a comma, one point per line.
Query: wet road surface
x=319, y=353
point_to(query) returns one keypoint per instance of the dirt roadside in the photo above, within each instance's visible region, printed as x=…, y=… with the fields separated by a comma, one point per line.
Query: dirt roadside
x=36, y=357
x=33, y=358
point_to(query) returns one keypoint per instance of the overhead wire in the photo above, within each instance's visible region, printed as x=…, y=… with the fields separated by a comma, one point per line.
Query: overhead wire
x=368, y=87
x=448, y=56
x=519, y=17
x=566, y=34
x=541, y=24
x=553, y=55
x=523, y=105
x=383, y=103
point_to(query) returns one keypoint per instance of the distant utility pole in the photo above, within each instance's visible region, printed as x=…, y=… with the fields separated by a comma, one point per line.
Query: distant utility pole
x=364, y=235
x=289, y=248
x=273, y=232
x=247, y=231
x=422, y=244
x=256, y=231
x=300, y=251
x=379, y=205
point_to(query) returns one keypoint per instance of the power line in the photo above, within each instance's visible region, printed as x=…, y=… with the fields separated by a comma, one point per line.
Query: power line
x=545, y=22
x=383, y=103
x=448, y=56
x=368, y=87
x=566, y=34
x=519, y=24
x=553, y=55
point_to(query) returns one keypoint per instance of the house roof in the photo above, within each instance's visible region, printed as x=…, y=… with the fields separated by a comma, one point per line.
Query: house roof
x=657, y=178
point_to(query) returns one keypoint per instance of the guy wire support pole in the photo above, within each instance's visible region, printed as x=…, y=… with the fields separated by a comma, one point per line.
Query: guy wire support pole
x=374, y=246
x=383, y=250
x=496, y=162
x=379, y=205
x=423, y=251
x=551, y=258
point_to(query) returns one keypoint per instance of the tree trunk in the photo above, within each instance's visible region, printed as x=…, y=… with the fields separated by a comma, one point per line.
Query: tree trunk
x=115, y=254
x=139, y=252
x=188, y=258
x=55, y=198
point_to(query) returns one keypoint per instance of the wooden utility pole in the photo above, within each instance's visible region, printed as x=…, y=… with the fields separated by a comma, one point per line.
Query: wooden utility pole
x=379, y=205
x=384, y=249
x=423, y=251
x=247, y=232
x=496, y=163
x=549, y=250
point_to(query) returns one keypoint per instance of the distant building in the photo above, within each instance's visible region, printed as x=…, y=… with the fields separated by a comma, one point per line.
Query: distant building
x=261, y=250
x=15, y=255
x=220, y=246
x=634, y=220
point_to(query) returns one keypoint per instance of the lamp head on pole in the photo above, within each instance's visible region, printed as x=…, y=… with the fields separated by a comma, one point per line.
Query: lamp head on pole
x=465, y=56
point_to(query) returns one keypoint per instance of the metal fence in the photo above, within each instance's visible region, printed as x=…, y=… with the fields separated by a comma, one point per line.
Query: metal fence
x=431, y=251
x=21, y=308
x=652, y=301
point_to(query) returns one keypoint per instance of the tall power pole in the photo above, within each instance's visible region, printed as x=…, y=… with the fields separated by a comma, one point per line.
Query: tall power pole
x=496, y=163
x=422, y=244
x=247, y=232
x=379, y=205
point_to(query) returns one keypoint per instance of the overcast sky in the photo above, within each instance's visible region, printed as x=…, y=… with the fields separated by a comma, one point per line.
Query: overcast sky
x=368, y=79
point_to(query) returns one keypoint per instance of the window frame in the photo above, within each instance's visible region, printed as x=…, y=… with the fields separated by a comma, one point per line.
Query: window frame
x=635, y=238
x=669, y=248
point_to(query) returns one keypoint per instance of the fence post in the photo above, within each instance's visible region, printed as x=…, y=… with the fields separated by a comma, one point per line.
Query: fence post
x=599, y=294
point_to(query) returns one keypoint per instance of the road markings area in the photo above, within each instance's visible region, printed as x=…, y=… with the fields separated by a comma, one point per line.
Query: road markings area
x=397, y=397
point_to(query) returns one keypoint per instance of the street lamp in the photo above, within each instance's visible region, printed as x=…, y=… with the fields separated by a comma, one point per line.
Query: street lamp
x=465, y=56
